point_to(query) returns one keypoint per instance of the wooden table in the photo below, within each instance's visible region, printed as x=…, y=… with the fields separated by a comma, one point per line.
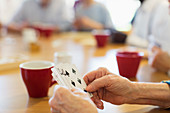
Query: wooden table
x=87, y=57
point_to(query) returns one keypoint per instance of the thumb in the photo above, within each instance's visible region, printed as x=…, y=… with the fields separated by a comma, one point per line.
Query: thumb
x=98, y=83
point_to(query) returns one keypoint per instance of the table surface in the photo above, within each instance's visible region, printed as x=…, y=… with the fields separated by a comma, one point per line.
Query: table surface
x=86, y=56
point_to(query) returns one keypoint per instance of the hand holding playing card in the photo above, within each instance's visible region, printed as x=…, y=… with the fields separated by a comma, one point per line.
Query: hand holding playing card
x=67, y=75
x=71, y=101
x=109, y=87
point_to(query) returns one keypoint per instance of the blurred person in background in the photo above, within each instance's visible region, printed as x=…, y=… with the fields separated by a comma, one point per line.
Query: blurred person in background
x=53, y=13
x=160, y=39
x=151, y=29
x=142, y=23
x=90, y=14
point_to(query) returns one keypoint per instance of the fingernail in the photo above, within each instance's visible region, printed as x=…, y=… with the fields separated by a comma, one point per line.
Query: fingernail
x=89, y=87
x=99, y=104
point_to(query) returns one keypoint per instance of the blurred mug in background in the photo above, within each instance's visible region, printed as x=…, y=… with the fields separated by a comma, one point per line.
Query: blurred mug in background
x=101, y=36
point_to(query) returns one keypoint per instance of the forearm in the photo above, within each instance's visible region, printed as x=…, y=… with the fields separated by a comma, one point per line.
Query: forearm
x=14, y=28
x=151, y=94
x=95, y=25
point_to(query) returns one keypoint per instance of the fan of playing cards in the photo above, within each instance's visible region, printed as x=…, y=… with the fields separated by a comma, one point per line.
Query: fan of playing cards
x=67, y=75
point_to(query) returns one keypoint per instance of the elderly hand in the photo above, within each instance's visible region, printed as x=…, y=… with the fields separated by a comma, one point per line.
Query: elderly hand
x=71, y=101
x=159, y=59
x=108, y=87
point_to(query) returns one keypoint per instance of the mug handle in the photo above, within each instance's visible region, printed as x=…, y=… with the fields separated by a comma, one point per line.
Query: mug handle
x=53, y=82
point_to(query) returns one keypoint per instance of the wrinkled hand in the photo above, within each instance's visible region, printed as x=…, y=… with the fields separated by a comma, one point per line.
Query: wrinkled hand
x=159, y=59
x=108, y=87
x=71, y=101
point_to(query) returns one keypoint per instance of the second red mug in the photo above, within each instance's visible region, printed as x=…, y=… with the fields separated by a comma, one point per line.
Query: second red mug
x=128, y=63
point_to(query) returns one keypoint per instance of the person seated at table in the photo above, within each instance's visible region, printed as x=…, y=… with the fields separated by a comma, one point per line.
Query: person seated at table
x=159, y=37
x=90, y=14
x=111, y=88
x=53, y=13
x=142, y=23
x=160, y=57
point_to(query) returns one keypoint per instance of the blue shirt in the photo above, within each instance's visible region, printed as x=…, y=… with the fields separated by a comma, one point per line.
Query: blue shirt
x=96, y=12
x=57, y=13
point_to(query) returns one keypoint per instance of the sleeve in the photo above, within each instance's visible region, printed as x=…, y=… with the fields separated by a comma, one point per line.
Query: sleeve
x=107, y=18
x=77, y=8
x=167, y=82
x=18, y=17
x=160, y=26
x=67, y=16
x=135, y=40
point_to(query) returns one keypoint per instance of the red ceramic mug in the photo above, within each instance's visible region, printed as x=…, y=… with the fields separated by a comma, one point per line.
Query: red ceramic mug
x=128, y=63
x=37, y=77
x=101, y=37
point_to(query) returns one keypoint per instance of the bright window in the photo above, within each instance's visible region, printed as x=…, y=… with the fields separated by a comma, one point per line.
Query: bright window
x=121, y=11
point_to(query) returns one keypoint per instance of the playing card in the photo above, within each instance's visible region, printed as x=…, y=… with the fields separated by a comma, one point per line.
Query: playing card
x=68, y=75
x=77, y=78
x=54, y=74
x=63, y=74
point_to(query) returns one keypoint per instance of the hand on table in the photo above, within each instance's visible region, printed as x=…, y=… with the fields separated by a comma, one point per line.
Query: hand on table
x=108, y=87
x=85, y=22
x=159, y=59
x=71, y=101
x=14, y=27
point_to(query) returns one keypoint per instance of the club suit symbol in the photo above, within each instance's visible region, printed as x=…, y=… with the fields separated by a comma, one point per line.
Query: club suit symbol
x=67, y=74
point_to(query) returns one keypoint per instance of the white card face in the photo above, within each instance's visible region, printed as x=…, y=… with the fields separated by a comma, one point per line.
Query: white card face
x=69, y=76
x=57, y=79
x=56, y=76
x=78, y=79
x=64, y=74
